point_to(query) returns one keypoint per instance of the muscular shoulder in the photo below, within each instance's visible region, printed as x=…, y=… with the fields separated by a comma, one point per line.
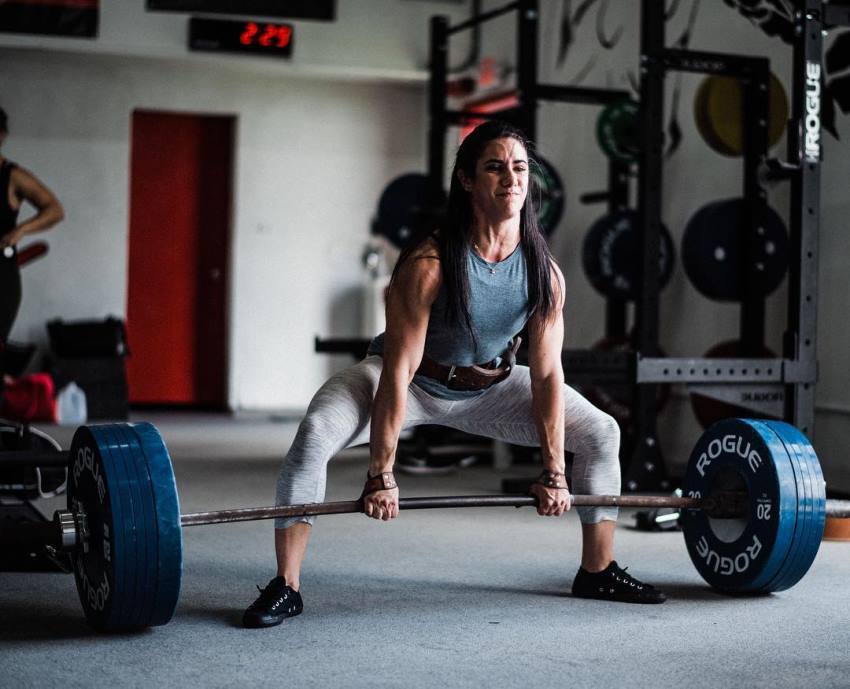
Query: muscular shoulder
x=428, y=250
x=419, y=277
x=24, y=183
x=20, y=176
x=558, y=285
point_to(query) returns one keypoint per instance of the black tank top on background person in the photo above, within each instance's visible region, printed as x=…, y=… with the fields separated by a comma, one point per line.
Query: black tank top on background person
x=8, y=215
x=10, y=276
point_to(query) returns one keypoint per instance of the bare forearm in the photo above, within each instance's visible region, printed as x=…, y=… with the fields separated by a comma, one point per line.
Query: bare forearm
x=548, y=406
x=388, y=410
x=43, y=220
x=412, y=293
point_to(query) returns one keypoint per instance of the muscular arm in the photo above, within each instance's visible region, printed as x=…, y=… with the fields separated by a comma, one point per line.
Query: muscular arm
x=408, y=308
x=27, y=187
x=546, y=341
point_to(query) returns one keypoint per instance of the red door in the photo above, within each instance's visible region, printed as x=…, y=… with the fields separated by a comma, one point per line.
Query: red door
x=180, y=187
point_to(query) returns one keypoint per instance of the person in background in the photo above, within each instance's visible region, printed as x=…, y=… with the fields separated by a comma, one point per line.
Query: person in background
x=18, y=185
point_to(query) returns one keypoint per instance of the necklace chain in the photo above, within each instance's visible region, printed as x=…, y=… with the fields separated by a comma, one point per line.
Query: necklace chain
x=489, y=266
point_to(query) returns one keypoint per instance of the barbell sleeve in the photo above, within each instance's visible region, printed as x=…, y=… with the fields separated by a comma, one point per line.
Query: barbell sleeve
x=838, y=509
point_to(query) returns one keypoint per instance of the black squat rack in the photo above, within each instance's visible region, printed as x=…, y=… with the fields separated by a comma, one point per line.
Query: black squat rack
x=795, y=374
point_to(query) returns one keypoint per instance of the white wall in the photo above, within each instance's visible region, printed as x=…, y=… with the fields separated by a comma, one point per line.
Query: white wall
x=311, y=160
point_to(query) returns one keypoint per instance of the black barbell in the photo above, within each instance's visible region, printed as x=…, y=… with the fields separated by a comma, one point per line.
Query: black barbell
x=752, y=515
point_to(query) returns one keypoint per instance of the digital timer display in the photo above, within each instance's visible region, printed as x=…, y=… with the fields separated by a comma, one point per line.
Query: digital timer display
x=256, y=37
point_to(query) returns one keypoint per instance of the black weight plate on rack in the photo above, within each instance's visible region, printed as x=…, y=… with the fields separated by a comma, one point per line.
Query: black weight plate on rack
x=400, y=208
x=618, y=131
x=550, y=204
x=611, y=255
x=712, y=249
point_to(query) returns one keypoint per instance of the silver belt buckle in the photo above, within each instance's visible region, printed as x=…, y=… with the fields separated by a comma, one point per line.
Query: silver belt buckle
x=451, y=375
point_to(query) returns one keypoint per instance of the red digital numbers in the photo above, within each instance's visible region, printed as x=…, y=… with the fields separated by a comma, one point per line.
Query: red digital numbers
x=268, y=35
x=284, y=35
x=251, y=30
x=271, y=36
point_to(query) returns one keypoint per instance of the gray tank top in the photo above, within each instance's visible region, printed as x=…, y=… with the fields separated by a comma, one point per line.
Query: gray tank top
x=498, y=305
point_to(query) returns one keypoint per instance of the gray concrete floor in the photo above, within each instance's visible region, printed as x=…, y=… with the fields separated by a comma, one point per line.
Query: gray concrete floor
x=452, y=598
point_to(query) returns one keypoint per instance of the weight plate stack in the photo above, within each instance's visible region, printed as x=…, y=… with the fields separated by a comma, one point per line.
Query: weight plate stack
x=101, y=563
x=742, y=555
x=169, y=575
x=136, y=530
x=812, y=505
x=128, y=567
x=148, y=552
x=804, y=513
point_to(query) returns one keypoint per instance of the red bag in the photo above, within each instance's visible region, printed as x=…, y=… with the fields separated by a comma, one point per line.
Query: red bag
x=29, y=398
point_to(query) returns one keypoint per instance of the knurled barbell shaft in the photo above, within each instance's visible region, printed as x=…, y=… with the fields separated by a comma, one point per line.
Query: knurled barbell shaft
x=354, y=506
x=728, y=504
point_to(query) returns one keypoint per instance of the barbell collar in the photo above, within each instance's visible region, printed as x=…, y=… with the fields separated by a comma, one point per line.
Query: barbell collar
x=67, y=530
x=60, y=533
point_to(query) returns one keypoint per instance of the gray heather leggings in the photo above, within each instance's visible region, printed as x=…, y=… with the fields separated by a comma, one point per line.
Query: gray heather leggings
x=338, y=417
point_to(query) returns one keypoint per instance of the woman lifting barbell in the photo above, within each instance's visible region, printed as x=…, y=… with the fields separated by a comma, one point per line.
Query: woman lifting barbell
x=456, y=298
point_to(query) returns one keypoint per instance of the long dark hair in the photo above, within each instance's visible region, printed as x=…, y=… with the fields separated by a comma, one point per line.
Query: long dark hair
x=455, y=226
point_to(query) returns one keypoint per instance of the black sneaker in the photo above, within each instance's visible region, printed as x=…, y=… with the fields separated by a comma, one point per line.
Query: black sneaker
x=275, y=603
x=615, y=584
